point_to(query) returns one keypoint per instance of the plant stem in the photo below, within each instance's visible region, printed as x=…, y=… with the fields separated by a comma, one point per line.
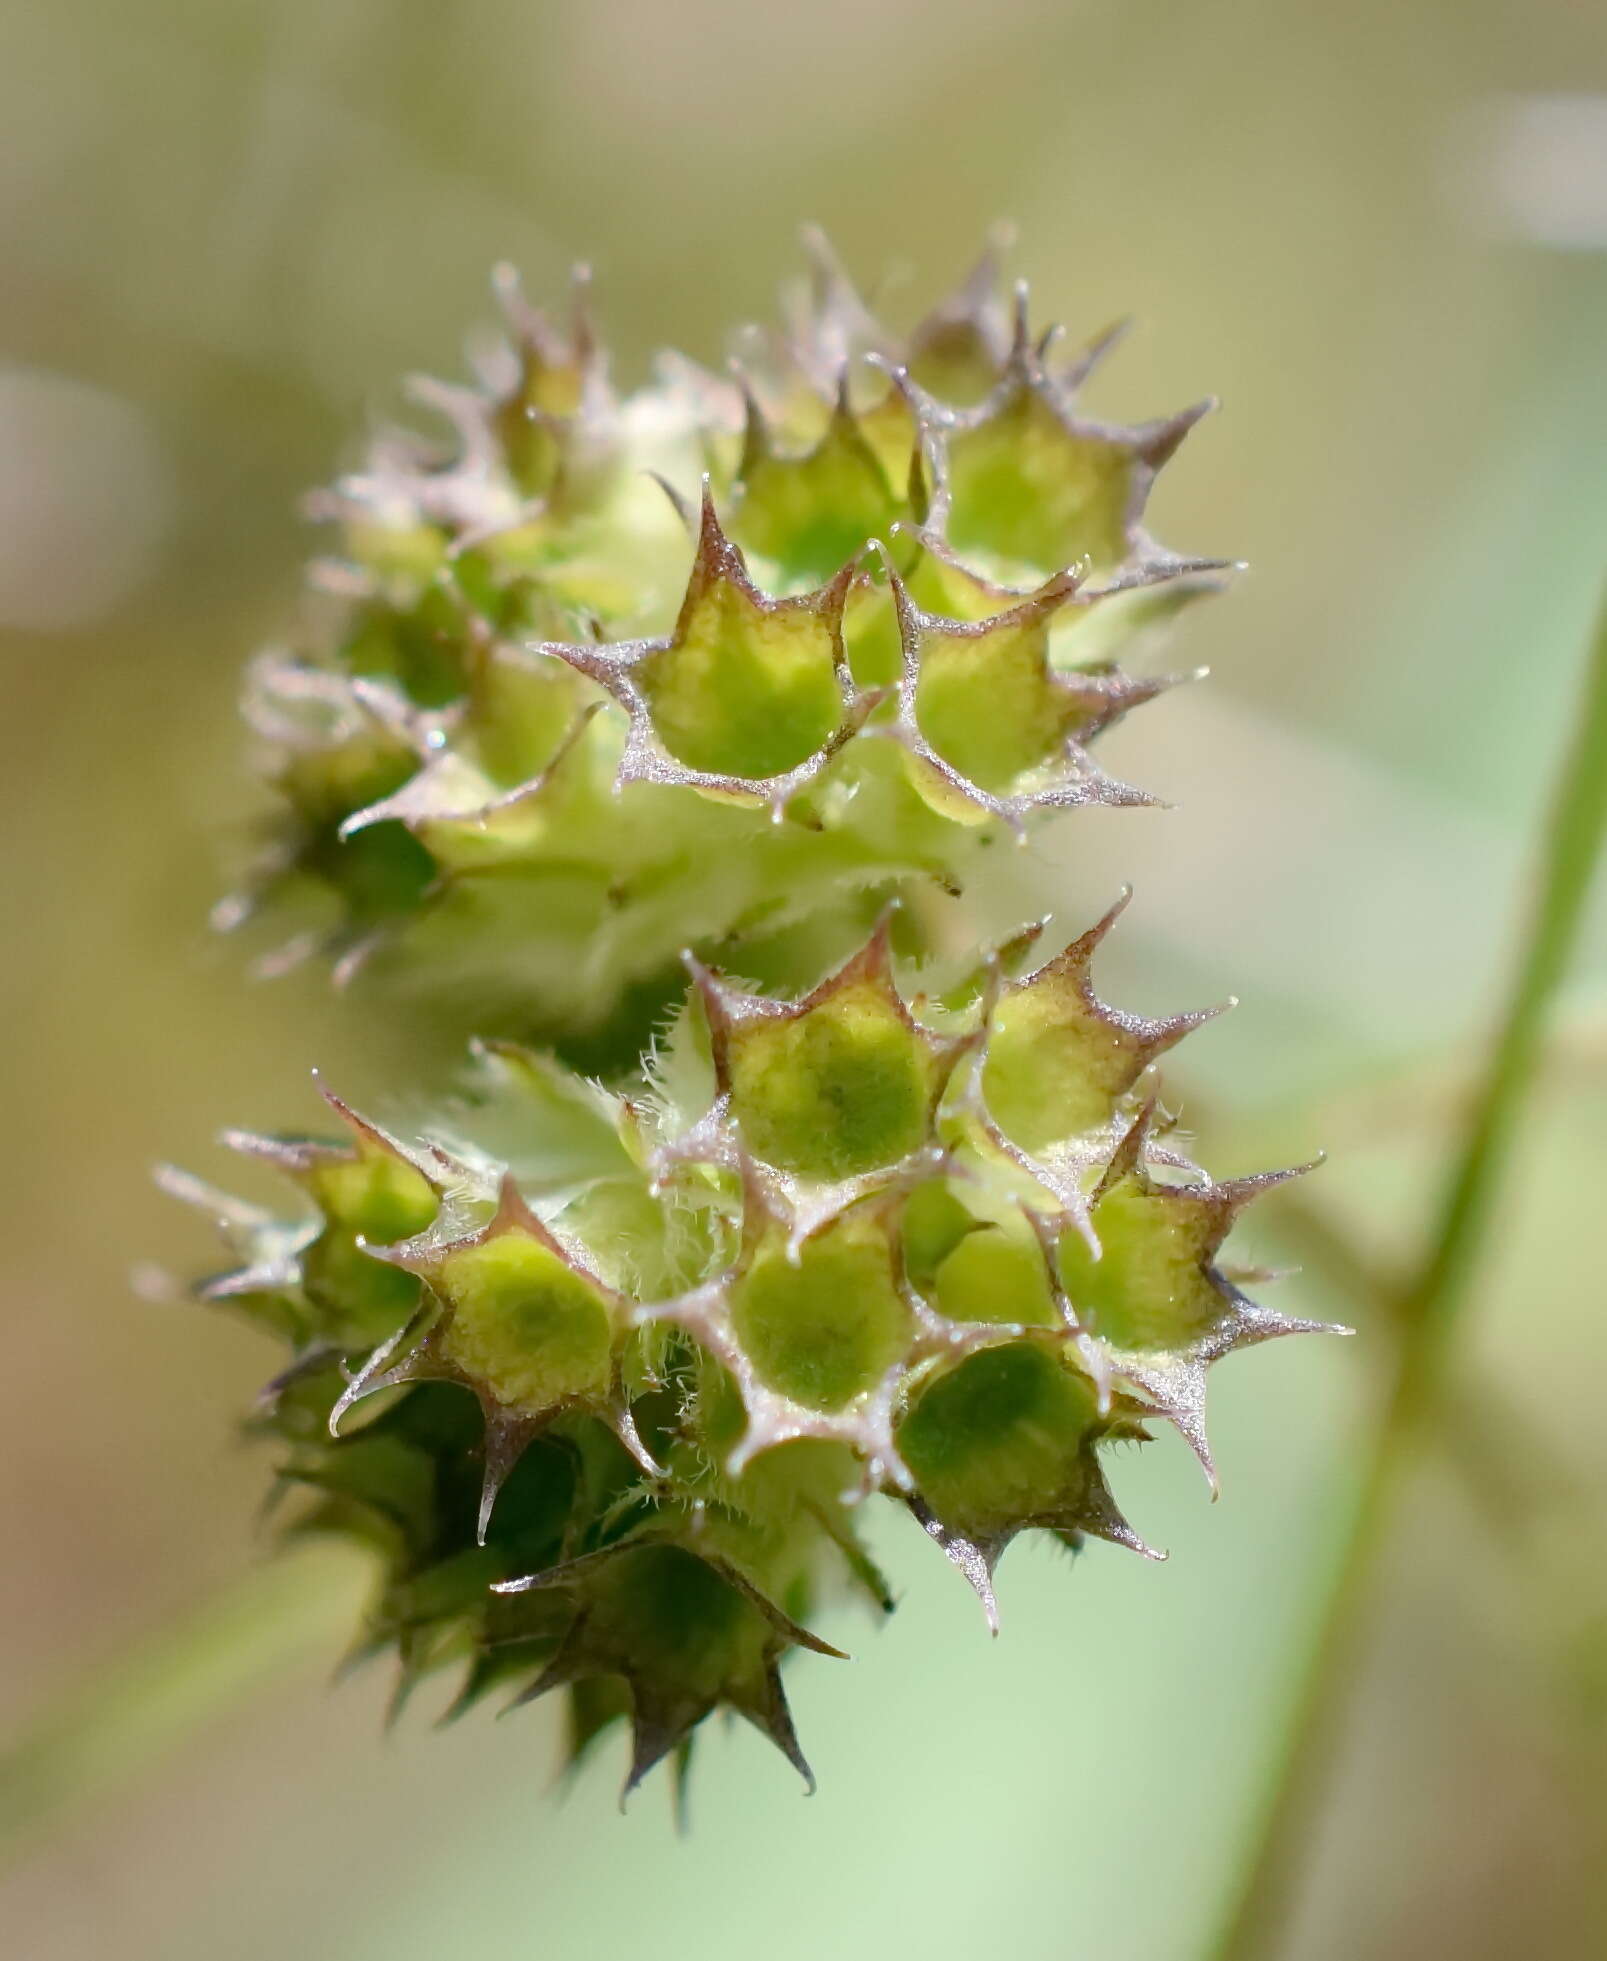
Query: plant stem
x=1426, y=1311
x=141, y=1705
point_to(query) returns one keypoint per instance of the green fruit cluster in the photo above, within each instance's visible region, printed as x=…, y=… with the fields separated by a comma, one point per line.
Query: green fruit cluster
x=602, y=678
x=606, y=1373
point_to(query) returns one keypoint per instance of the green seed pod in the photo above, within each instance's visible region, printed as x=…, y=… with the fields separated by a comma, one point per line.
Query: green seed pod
x=904, y=1229
x=515, y=1316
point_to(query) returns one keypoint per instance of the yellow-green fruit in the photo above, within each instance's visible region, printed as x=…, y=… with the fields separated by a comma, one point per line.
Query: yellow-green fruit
x=838, y=1089
x=524, y=1323
x=825, y=1324
x=1001, y=1439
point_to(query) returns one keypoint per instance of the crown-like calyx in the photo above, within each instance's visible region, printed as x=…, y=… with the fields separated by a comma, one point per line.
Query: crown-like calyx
x=1004, y=1441
x=748, y=697
x=370, y=1189
x=992, y=728
x=686, y=1630
x=516, y=1316
x=1061, y=1072
x=1145, y=1282
x=833, y=1089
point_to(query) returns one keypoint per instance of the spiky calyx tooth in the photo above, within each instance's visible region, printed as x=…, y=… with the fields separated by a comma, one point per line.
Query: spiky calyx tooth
x=1059, y=1061
x=371, y=1189
x=1147, y=1287
x=808, y=515
x=837, y=1086
x=334, y=746
x=512, y=639
x=748, y=697
x=1024, y=485
x=992, y=731
x=516, y=1317
x=962, y=347
x=1027, y=487
x=551, y=406
x=264, y=1277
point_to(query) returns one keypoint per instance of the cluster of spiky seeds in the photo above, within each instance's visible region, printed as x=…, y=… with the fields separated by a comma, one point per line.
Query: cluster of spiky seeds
x=919, y=1228
x=557, y=712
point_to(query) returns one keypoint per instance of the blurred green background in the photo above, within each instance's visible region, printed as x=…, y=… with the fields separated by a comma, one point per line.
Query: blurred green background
x=1377, y=231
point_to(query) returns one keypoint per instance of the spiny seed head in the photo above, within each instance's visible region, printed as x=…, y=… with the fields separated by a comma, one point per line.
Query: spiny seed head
x=707, y=678
x=683, y=666
x=824, y=1250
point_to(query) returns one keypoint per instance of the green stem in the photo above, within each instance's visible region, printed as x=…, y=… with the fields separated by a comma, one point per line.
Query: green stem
x=141, y=1705
x=1427, y=1309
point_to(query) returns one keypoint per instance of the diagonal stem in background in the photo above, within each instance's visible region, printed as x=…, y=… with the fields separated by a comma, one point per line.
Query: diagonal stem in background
x=1427, y=1309
x=143, y=1704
